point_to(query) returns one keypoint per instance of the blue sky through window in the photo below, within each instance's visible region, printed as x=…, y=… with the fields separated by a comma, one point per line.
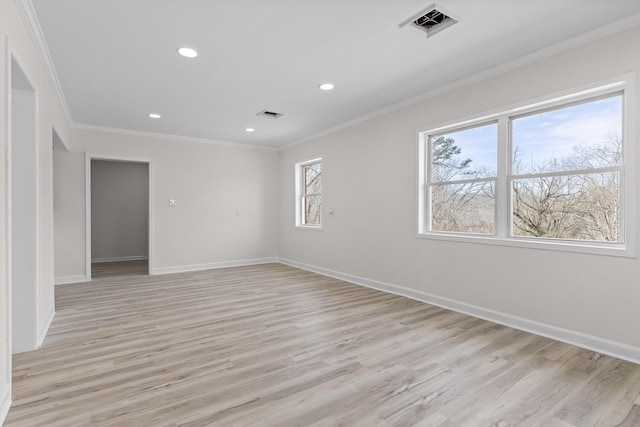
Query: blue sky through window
x=542, y=138
x=479, y=144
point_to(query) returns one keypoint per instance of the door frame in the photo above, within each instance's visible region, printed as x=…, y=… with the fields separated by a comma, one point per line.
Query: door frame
x=87, y=199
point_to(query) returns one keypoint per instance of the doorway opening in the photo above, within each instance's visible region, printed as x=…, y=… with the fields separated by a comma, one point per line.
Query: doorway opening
x=118, y=217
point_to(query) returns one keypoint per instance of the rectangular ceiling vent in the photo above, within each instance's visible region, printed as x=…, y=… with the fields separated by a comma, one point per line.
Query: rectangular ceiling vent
x=431, y=20
x=269, y=114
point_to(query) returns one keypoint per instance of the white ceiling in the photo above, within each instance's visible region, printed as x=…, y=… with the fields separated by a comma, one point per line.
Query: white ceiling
x=116, y=60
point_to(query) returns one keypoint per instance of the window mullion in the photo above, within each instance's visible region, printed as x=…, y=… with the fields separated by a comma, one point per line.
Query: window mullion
x=463, y=181
x=427, y=188
x=568, y=172
x=503, y=200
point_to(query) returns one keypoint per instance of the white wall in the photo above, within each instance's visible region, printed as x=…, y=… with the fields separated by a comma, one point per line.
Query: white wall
x=68, y=210
x=226, y=200
x=370, y=182
x=24, y=216
x=119, y=210
x=17, y=41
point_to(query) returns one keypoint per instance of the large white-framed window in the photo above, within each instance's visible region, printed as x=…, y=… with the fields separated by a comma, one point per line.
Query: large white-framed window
x=309, y=194
x=555, y=173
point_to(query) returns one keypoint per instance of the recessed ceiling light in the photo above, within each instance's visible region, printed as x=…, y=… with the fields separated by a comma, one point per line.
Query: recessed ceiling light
x=187, y=52
x=326, y=86
x=154, y=116
x=249, y=130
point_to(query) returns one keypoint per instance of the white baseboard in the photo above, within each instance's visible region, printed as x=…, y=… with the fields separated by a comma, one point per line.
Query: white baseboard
x=590, y=342
x=64, y=280
x=213, y=265
x=120, y=258
x=5, y=404
x=45, y=328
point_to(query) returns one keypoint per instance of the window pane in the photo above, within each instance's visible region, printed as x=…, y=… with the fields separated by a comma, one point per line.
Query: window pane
x=464, y=208
x=582, y=136
x=312, y=210
x=581, y=207
x=470, y=153
x=313, y=178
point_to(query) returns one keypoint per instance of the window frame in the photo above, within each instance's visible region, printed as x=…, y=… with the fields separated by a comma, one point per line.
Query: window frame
x=300, y=194
x=503, y=235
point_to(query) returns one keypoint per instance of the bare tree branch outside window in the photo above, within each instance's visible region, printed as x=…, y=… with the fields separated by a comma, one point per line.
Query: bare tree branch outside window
x=566, y=169
x=565, y=178
x=463, y=188
x=581, y=206
x=312, y=194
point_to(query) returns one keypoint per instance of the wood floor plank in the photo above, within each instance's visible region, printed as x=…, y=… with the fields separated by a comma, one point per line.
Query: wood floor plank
x=272, y=345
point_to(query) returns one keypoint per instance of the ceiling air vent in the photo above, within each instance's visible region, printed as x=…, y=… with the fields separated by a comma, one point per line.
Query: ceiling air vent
x=431, y=20
x=269, y=114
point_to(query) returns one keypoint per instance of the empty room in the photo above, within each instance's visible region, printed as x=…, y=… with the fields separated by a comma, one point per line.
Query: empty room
x=319, y=213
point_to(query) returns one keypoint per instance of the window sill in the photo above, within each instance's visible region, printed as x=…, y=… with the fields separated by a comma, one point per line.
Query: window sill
x=309, y=227
x=594, y=248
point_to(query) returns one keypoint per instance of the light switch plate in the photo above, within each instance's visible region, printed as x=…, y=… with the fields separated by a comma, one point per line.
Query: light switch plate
x=173, y=202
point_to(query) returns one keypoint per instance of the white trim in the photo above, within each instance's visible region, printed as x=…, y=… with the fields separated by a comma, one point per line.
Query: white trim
x=150, y=249
x=214, y=265
x=567, y=172
x=462, y=181
x=65, y=280
x=31, y=23
x=38, y=196
x=43, y=332
x=8, y=235
x=423, y=157
x=562, y=245
x=120, y=258
x=87, y=216
x=116, y=158
x=628, y=210
x=579, y=339
x=5, y=404
x=502, y=193
x=87, y=201
x=52, y=247
x=309, y=227
x=173, y=137
x=536, y=56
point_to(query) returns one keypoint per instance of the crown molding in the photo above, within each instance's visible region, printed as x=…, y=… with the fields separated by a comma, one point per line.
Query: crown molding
x=530, y=58
x=30, y=19
x=168, y=136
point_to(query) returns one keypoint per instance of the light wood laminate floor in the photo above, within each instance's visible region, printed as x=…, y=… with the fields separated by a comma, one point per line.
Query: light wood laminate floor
x=271, y=345
x=101, y=270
